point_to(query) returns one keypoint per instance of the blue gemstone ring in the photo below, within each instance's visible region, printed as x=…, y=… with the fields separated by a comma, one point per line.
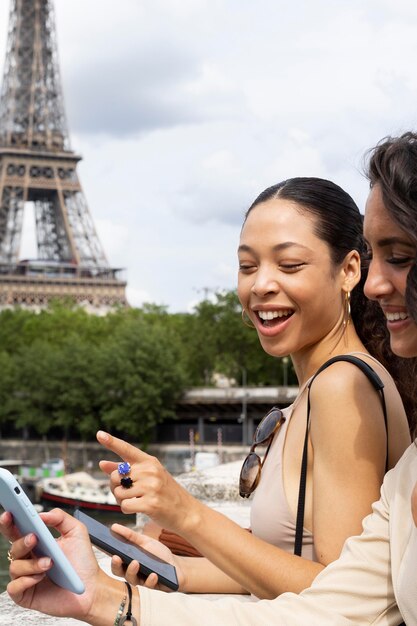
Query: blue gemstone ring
x=123, y=468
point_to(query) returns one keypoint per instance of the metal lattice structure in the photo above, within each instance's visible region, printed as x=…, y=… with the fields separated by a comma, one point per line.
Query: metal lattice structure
x=37, y=165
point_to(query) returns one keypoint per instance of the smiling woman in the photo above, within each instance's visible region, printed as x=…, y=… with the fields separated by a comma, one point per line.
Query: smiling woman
x=392, y=257
x=286, y=273
x=300, y=283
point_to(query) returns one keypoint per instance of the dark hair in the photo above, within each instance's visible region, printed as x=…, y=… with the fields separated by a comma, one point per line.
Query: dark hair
x=392, y=165
x=340, y=224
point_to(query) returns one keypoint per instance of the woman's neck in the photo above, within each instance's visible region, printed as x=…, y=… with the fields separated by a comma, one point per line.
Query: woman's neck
x=308, y=360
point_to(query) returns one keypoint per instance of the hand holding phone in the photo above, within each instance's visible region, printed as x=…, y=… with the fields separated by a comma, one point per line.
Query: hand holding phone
x=27, y=520
x=111, y=543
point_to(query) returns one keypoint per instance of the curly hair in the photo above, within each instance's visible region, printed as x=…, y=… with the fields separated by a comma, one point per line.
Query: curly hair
x=392, y=165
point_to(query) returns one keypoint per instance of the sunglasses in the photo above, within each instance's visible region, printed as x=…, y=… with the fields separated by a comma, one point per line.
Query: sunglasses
x=252, y=465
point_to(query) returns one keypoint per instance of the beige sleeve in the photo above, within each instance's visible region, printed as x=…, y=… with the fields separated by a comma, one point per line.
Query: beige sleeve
x=160, y=609
x=407, y=581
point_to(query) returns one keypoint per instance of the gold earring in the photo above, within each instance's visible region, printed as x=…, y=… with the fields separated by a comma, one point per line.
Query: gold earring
x=247, y=320
x=346, y=316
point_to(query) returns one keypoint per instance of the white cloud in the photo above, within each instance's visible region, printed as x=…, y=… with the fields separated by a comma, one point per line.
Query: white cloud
x=184, y=110
x=137, y=297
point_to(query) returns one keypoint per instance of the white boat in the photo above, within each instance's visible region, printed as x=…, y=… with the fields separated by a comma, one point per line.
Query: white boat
x=79, y=490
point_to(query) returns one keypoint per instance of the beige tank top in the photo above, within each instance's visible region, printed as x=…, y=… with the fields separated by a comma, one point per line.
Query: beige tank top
x=271, y=518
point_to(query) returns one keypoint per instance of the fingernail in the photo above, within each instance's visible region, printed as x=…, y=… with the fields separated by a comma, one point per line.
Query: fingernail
x=102, y=435
x=28, y=540
x=44, y=562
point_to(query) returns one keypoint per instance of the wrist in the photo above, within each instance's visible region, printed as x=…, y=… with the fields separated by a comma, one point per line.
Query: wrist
x=108, y=597
x=184, y=564
x=193, y=518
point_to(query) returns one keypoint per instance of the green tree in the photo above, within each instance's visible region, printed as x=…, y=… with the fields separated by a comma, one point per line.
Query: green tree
x=54, y=386
x=76, y=401
x=141, y=377
x=8, y=378
x=33, y=391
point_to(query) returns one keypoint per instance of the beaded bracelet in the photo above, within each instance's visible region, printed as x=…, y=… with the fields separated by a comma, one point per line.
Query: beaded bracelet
x=128, y=617
x=120, y=611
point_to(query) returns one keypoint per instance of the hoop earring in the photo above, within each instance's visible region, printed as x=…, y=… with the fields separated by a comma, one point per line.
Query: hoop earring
x=347, y=313
x=247, y=320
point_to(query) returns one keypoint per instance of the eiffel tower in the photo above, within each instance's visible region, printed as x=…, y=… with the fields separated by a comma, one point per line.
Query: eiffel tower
x=37, y=165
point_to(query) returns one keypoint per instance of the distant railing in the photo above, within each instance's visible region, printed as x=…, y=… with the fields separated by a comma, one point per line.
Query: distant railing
x=57, y=269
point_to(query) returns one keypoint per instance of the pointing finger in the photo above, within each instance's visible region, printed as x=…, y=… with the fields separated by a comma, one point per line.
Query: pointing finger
x=123, y=449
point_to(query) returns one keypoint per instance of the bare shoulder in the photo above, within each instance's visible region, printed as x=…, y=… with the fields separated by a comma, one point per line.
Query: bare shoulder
x=340, y=380
x=345, y=402
x=398, y=426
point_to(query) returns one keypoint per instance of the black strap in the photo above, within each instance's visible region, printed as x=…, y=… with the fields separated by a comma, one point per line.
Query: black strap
x=379, y=386
x=128, y=617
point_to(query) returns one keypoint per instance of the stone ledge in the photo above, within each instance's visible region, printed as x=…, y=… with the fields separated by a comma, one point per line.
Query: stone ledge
x=219, y=483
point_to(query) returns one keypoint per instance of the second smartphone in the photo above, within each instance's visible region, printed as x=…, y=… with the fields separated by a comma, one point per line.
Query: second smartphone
x=112, y=543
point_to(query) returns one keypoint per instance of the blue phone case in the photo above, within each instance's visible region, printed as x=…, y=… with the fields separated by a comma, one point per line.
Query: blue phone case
x=14, y=500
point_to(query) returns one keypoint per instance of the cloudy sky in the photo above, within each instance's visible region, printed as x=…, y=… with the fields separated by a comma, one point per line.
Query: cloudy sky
x=184, y=110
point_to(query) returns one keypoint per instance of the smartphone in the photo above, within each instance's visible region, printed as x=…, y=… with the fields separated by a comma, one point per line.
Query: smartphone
x=112, y=543
x=27, y=520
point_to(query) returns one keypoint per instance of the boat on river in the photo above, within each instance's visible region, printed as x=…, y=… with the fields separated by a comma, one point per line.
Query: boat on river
x=78, y=490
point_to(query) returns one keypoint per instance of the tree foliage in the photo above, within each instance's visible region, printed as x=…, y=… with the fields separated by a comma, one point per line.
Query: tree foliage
x=65, y=371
